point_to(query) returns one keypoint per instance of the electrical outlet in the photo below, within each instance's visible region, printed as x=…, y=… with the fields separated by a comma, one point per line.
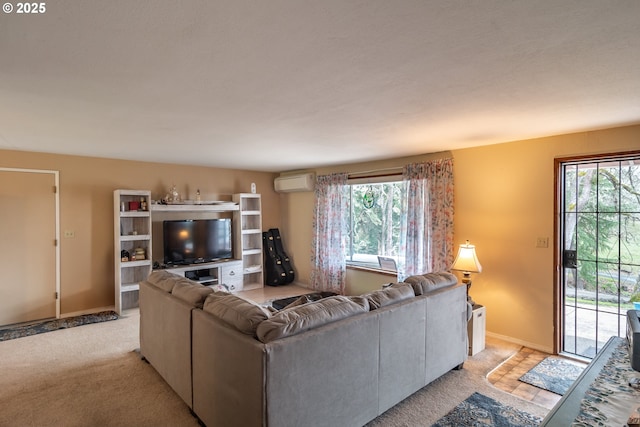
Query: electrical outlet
x=542, y=242
x=69, y=234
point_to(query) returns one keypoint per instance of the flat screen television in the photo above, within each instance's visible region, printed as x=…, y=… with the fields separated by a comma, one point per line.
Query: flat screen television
x=195, y=241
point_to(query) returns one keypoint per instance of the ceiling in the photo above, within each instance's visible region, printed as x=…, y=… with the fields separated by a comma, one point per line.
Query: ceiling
x=292, y=84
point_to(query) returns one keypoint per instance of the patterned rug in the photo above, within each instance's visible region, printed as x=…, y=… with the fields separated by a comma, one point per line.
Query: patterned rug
x=479, y=410
x=52, y=325
x=610, y=399
x=554, y=374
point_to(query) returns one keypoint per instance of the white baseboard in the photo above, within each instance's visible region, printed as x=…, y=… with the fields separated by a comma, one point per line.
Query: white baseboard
x=521, y=342
x=90, y=311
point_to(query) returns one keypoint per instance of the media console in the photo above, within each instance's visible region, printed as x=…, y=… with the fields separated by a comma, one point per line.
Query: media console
x=227, y=272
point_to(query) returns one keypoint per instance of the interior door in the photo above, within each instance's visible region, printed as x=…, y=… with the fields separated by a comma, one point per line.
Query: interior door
x=28, y=255
x=599, y=248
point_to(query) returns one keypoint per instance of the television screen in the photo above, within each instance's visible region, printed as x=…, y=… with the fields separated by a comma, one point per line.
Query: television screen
x=197, y=240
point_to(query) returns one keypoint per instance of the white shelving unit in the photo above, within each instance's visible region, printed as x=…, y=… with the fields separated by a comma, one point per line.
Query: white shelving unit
x=247, y=224
x=131, y=231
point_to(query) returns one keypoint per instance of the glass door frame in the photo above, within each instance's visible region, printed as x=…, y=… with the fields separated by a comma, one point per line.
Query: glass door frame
x=558, y=301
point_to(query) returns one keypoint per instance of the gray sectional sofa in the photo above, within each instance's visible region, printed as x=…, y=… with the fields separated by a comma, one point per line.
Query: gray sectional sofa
x=338, y=361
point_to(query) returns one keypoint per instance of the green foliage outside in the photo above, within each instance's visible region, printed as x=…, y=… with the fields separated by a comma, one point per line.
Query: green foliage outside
x=602, y=222
x=375, y=219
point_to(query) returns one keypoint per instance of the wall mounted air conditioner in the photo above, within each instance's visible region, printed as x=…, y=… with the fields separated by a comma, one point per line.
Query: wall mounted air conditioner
x=291, y=183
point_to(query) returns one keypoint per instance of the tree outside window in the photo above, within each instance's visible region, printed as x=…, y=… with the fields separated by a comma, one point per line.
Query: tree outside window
x=375, y=220
x=602, y=223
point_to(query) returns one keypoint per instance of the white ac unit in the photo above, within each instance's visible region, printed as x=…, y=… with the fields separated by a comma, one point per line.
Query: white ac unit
x=291, y=183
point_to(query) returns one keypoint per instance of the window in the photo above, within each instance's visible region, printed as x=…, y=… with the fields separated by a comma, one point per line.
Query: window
x=375, y=221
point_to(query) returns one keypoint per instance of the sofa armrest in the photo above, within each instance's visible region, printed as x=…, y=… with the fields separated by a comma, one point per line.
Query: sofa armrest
x=165, y=337
x=446, y=341
x=228, y=374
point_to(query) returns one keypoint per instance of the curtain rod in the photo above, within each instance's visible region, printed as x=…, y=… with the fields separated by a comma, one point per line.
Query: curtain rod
x=376, y=173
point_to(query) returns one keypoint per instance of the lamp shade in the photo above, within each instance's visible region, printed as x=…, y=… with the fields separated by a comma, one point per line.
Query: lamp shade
x=467, y=260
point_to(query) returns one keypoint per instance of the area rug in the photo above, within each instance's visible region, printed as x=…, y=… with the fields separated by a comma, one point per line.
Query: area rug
x=610, y=399
x=479, y=410
x=553, y=374
x=52, y=325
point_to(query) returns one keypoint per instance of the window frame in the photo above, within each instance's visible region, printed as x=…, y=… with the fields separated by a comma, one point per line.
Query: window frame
x=377, y=179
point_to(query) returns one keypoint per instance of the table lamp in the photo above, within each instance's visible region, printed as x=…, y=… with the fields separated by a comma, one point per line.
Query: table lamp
x=468, y=263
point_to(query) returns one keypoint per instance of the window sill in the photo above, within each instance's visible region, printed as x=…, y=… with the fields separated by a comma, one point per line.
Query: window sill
x=372, y=270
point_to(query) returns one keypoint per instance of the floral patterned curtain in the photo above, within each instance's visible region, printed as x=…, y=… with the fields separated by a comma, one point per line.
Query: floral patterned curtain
x=427, y=229
x=330, y=221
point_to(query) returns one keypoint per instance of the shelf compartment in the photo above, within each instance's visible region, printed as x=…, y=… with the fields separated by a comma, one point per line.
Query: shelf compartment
x=134, y=214
x=135, y=237
x=252, y=251
x=129, y=264
x=128, y=287
x=252, y=231
x=251, y=222
x=139, y=224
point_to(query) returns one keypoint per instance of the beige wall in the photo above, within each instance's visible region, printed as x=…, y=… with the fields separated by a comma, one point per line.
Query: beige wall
x=86, y=207
x=504, y=200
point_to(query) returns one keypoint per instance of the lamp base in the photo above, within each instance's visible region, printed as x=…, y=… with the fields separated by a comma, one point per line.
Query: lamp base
x=467, y=281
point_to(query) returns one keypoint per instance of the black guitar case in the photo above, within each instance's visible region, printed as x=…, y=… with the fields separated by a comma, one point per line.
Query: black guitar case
x=284, y=258
x=274, y=271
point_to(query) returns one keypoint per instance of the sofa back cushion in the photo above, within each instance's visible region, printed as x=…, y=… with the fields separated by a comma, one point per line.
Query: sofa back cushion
x=163, y=279
x=236, y=312
x=304, y=317
x=426, y=283
x=191, y=292
x=389, y=295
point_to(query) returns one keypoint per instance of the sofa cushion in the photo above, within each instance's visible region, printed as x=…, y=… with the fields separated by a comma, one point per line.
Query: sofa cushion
x=311, y=315
x=236, y=312
x=163, y=279
x=389, y=295
x=425, y=283
x=192, y=292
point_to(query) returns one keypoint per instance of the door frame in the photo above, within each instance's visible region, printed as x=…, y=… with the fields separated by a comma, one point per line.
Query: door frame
x=56, y=180
x=557, y=232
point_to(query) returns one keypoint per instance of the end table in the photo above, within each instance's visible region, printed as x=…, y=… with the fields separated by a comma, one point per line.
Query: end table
x=476, y=329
